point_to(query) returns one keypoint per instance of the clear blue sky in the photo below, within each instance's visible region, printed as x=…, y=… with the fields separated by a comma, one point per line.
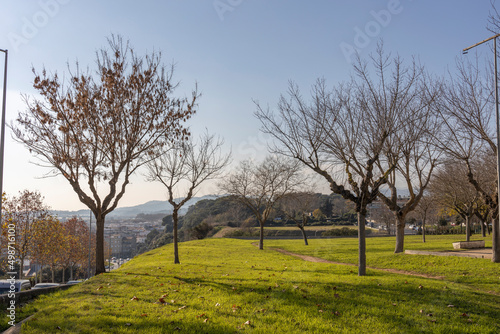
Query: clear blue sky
x=236, y=50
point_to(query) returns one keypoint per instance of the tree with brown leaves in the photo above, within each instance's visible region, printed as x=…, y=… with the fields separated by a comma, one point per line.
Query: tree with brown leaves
x=23, y=211
x=49, y=244
x=97, y=128
x=77, y=234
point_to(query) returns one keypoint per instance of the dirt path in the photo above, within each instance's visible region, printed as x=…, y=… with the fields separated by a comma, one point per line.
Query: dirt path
x=317, y=259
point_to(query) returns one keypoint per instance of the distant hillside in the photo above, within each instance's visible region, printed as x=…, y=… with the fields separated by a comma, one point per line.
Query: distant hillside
x=151, y=207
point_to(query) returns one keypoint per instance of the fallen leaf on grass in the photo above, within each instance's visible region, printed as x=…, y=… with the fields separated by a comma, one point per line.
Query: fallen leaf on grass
x=134, y=298
x=206, y=320
x=201, y=315
x=217, y=304
x=144, y=315
x=247, y=323
x=236, y=308
x=451, y=305
x=465, y=315
x=128, y=324
x=182, y=307
x=99, y=288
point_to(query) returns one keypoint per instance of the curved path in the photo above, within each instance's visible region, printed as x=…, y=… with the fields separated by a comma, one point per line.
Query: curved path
x=317, y=259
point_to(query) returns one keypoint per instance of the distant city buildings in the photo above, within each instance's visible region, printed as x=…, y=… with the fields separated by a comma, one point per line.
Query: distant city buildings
x=122, y=236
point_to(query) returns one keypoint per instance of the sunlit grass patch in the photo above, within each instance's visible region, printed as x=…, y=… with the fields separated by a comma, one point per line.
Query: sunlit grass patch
x=228, y=286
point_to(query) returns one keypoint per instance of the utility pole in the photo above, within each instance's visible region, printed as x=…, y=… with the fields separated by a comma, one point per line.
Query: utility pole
x=2, y=138
x=495, y=222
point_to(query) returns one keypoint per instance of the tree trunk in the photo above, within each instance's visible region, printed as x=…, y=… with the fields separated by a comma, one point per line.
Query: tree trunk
x=99, y=247
x=304, y=235
x=261, y=239
x=361, y=245
x=21, y=267
x=423, y=231
x=400, y=233
x=71, y=273
x=495, y=233
x=53, y=274
x=41, y=273
x=63, y=276
x=467, y=228
x=175, y=219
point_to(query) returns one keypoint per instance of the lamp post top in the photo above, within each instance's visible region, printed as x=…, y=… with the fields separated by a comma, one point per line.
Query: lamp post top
x=473, y=46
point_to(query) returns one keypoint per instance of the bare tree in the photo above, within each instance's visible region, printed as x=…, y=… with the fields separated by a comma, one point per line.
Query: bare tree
x=297, y=207
x=183, y=169
x=380, y=213
x=101, y=127
x=342, y=134
x=415, y=157
x=469, y=133
x=260, y=186
x=426, y=206
x=452, y=191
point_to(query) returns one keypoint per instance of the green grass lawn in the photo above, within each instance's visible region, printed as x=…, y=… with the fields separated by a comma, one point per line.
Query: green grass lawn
x=229, y=286
x=479, y=273
x=307, y=227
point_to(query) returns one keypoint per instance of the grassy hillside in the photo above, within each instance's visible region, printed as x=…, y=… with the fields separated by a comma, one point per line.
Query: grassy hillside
x=229, y=286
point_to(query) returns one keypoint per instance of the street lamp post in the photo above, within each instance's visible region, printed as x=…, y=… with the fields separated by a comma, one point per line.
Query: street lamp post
x=2, y=138
x=496, y=225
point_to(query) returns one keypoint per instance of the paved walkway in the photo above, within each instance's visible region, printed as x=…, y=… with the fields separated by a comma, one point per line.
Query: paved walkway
x=484, y=253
